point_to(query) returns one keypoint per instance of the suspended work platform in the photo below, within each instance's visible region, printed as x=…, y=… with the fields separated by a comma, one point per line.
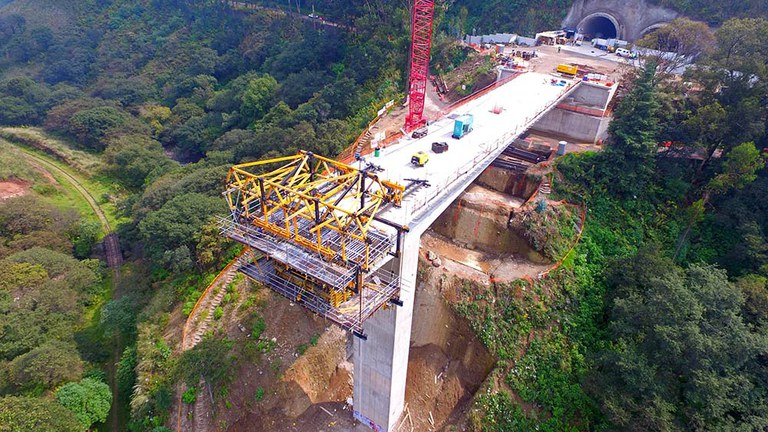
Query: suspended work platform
x=316, y=223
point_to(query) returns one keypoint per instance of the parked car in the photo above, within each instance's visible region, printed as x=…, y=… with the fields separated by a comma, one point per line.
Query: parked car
x=623, y=52
x=420, y=132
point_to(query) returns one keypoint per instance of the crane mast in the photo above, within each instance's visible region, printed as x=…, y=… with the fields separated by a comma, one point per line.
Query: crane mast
x=421, y=41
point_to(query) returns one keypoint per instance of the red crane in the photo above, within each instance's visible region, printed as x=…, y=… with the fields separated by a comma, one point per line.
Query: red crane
x=421, y=41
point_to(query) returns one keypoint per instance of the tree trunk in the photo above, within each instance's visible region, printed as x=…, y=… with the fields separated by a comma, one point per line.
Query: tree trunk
x=710, y=154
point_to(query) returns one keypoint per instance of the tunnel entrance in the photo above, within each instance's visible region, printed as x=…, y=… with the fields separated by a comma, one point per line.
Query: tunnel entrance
x=599, y=26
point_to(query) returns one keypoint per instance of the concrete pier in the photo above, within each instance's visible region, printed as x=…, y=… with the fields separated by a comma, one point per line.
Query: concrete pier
x=381, y=361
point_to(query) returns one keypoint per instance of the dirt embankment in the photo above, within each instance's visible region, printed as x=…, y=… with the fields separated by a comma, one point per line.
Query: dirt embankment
x=447, y=362
x=323, y=372
x=478, y=220
x=13, y=188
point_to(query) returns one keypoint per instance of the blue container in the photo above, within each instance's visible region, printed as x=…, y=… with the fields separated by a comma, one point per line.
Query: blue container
x=462, y=126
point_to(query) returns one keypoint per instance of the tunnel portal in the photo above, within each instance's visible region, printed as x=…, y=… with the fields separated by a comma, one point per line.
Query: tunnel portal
x=621, y=19
x=599, y=26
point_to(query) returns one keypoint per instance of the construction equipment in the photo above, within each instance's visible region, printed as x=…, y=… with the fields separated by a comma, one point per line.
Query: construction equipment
x=421, y=42
x=439, y=147
x=525, y=155
x=567, y=69
x=420, y=159
x=462, y=126
x=312, y=219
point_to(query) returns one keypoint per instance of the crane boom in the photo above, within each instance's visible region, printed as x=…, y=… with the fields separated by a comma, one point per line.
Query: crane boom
x=421, y=41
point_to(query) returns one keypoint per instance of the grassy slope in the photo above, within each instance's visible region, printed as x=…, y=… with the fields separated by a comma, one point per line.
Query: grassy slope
x=87, y=165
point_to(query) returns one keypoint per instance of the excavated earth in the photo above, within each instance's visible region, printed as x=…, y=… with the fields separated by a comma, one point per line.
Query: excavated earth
x=13, y=188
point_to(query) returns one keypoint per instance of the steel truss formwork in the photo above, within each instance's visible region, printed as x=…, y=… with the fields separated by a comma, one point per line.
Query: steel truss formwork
x=316, y=223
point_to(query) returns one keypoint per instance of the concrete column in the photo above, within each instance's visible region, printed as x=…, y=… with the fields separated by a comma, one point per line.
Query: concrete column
x=381, y=362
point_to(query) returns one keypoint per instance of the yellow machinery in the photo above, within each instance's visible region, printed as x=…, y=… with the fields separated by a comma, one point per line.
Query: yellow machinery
x=307, y=197
x=567, y=69
x=306, y=283
x=420, y=158
x=312, y=218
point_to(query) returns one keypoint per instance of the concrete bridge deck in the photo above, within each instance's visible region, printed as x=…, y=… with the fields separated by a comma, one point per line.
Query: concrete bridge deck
x=523, y=100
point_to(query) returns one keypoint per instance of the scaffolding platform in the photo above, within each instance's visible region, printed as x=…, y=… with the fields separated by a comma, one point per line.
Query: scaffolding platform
x=381, y=286
x=283, y=250
x=378, y=286
x=321, y=239
x=378, y=242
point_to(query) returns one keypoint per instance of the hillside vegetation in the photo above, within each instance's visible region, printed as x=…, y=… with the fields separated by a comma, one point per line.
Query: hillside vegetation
x=655, y=321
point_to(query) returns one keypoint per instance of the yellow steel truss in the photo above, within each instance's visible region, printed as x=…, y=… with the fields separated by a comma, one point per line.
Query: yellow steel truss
x=327, y=194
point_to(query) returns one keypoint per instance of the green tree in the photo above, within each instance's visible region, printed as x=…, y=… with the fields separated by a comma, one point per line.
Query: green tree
x=686, y=39
x=212, y=359
x=257, y=97
x=739, y=169
x=134, y=158
x=736, y=74
x=91, y=126
x=177, y=222
x=47, y=366
x=84, y=238
x=89, y=400
x=628, y=160
x=707, y=127
x=755, y=290
x=35, y=414
x=681, y=356
x=15, y=111
x=210, y=246
x=118, y=317
x=21, y=275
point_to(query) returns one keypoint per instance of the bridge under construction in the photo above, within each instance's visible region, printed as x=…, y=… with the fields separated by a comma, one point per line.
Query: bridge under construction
x=342, y=239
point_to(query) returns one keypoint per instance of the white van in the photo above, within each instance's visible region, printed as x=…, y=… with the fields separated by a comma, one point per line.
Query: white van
x=623, y=52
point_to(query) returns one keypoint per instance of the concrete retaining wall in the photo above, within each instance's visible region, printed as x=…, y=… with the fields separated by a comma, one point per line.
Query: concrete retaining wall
x=576, y=126
x=590, y=95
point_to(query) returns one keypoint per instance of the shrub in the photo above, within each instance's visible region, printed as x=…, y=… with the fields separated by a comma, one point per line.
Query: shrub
x=88, y=399
x=259, y=325
x=190, y=396
x=259, y=395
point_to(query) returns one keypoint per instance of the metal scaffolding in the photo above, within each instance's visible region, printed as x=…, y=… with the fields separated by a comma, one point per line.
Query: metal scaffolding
x=316, y=223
